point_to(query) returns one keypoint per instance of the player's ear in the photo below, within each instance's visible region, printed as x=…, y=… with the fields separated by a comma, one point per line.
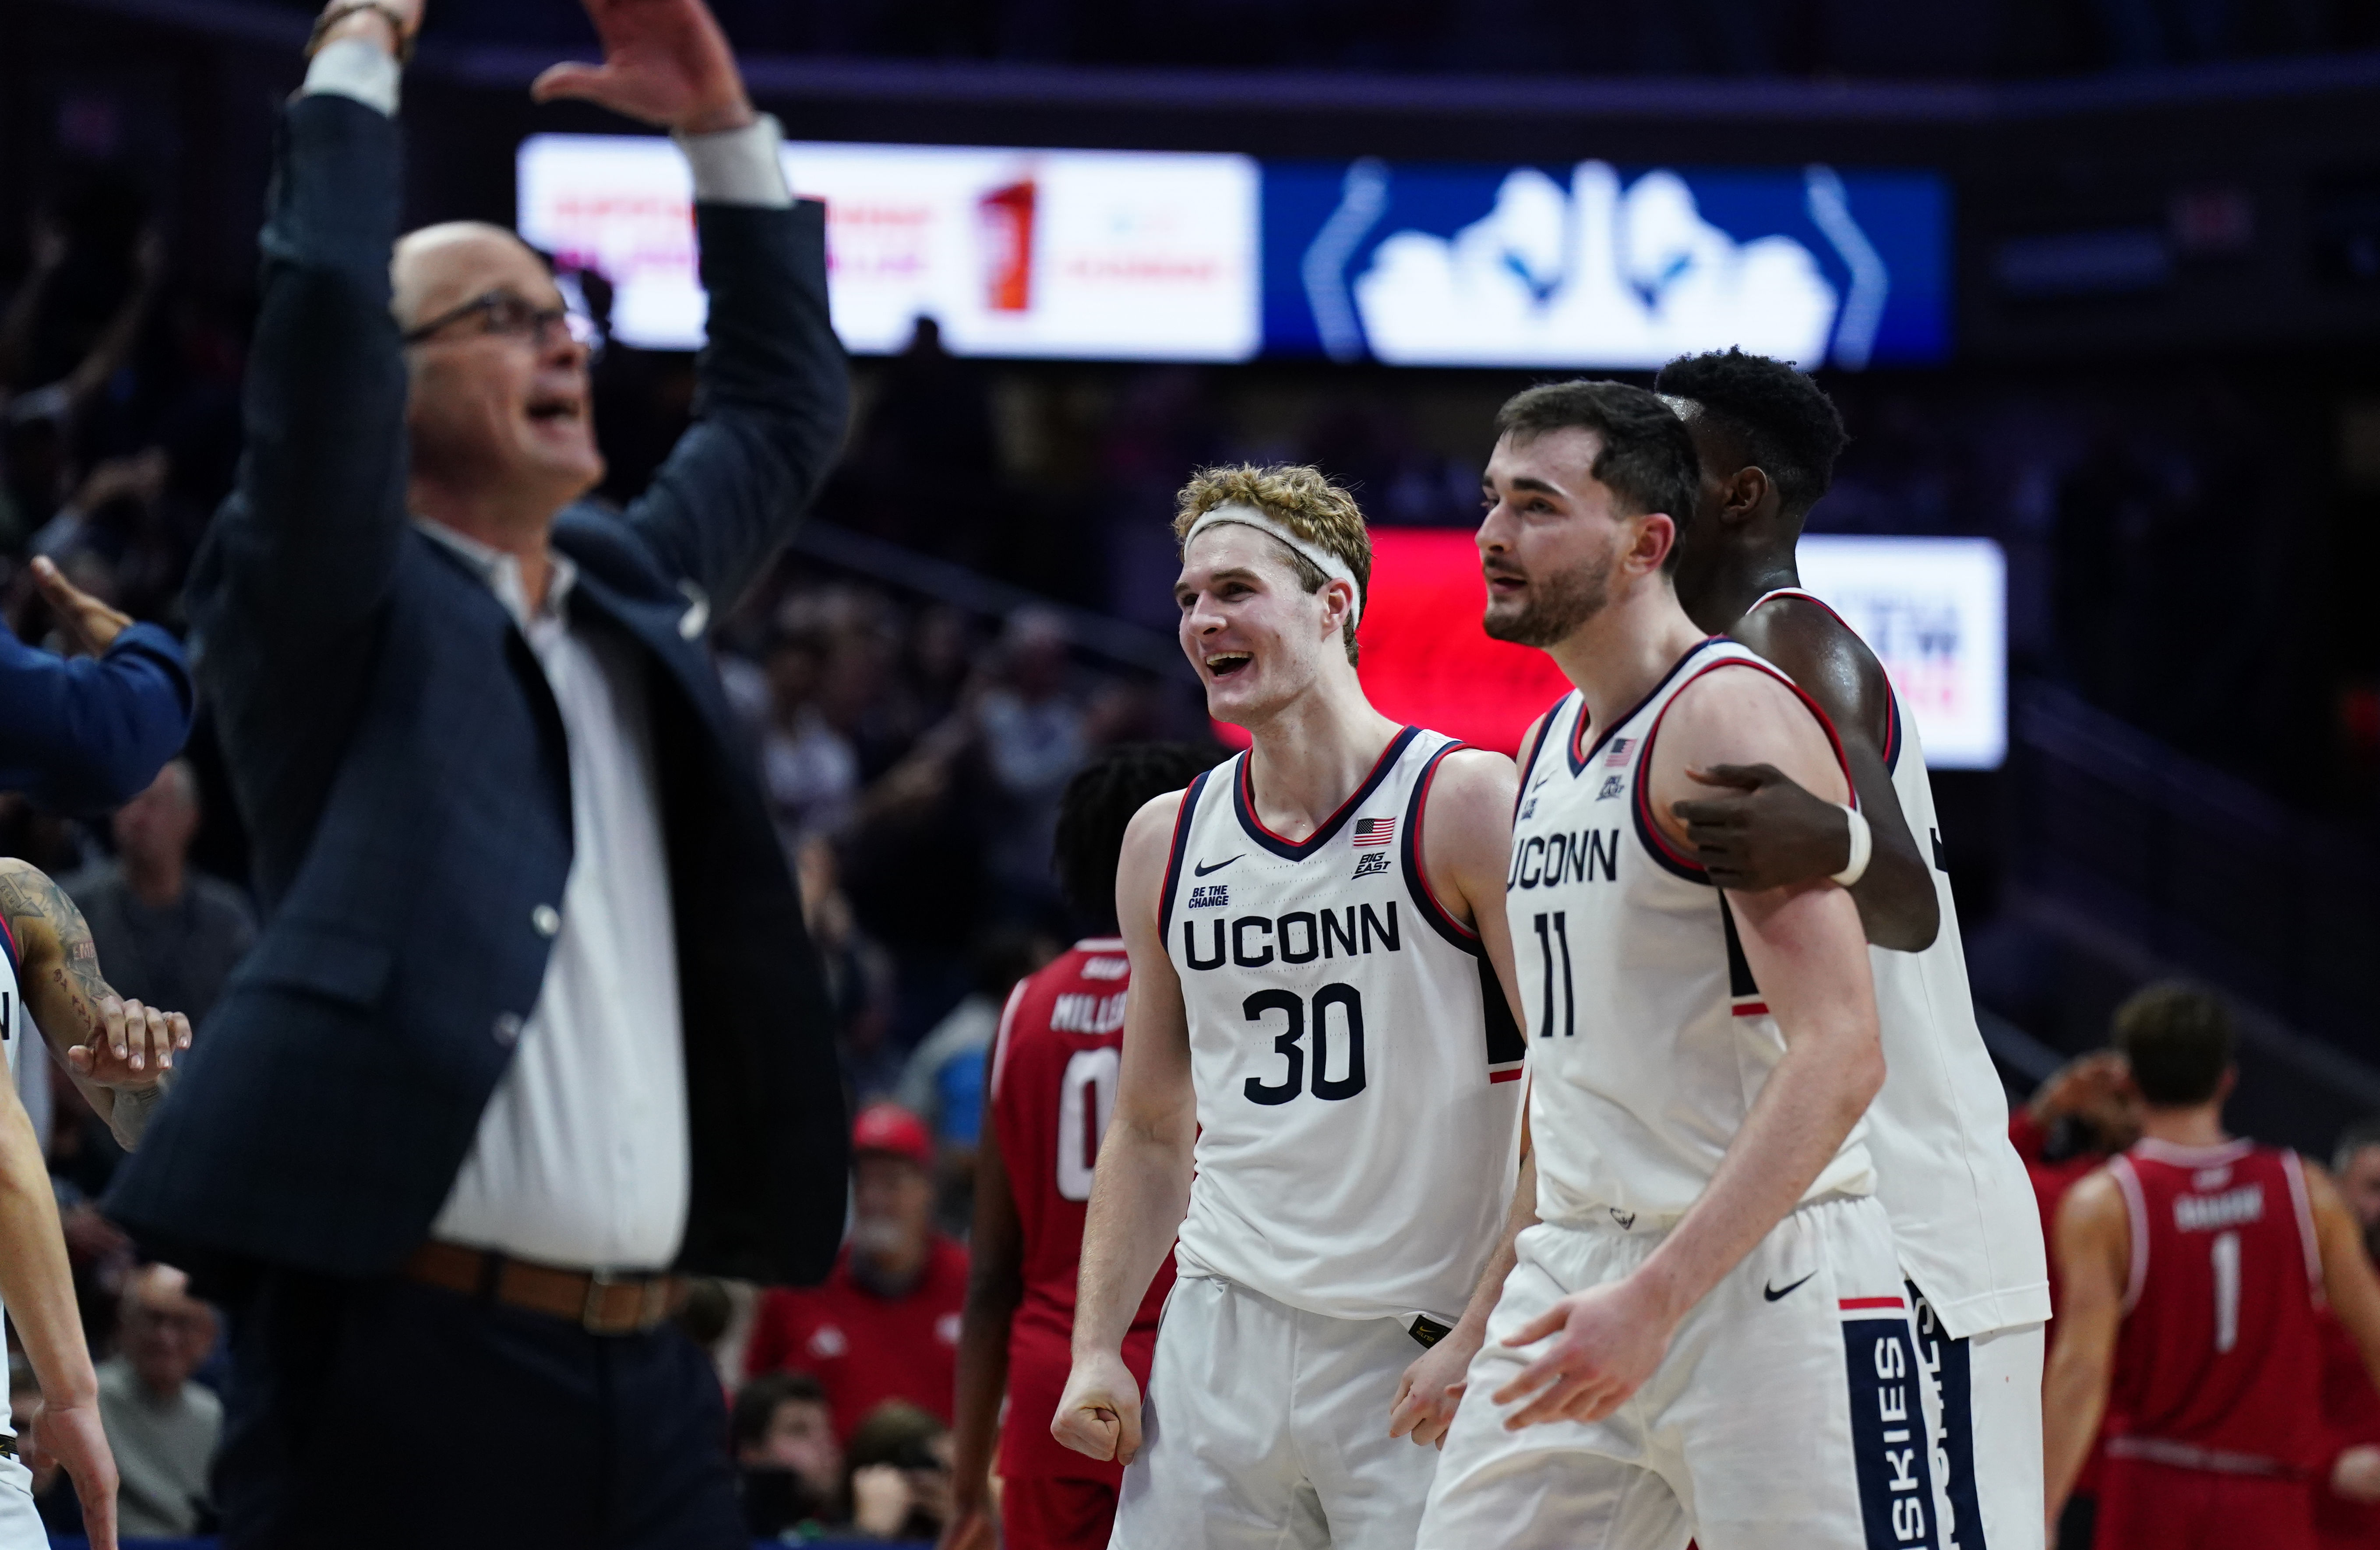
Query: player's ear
x=1744, y=494
x=1655, y=534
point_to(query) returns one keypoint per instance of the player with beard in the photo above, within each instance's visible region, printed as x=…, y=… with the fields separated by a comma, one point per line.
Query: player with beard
x=1320, y=1073
x=1725, y=1347
x=1961, y=1207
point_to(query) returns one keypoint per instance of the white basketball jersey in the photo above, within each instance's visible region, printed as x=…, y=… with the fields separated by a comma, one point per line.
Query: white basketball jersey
x=1963, y=1209
x=1649, y=1040
x=1357, y=1067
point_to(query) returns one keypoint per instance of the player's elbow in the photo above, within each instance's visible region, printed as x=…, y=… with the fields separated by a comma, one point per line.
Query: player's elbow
x=1860, y=1065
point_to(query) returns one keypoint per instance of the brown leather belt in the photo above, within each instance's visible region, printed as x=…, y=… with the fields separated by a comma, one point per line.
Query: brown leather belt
x=597, y=1301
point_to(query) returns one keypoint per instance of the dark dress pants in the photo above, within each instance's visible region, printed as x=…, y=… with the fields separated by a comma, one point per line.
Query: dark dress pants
x=374, y=1414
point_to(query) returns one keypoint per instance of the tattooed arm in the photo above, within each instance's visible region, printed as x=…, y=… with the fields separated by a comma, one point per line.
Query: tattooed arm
x=116, y=1051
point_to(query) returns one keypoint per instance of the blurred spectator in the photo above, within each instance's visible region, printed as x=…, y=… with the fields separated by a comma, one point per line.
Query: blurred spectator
x=169, y=935
x=942, y=1082
x=2084, y=1114
x=2347, y=1506
x=885, y=1324
x=858, y=973
x=900, y=1473
x=163, y=1426
x=788, y=1456
x=84, y=734
x=1034, y=739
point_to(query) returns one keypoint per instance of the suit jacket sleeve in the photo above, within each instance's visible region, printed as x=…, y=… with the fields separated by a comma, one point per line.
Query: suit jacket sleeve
x=86, y=735
x=769, y=409
x=287, y=590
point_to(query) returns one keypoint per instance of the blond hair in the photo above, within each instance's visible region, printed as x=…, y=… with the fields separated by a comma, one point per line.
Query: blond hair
x=1301, y=499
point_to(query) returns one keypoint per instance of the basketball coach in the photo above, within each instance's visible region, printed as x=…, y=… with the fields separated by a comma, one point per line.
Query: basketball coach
x=532, y=1028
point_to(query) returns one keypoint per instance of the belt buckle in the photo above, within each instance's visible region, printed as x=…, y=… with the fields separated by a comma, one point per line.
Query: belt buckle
x=590, y=1312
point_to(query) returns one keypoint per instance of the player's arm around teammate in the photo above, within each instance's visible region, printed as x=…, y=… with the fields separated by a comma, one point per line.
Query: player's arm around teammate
x=1140, y=1187
x=117, y=1052
x=1467, y=846
x=1807, y=951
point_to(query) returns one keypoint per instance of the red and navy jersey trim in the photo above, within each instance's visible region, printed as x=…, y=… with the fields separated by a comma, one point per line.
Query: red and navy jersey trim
x=1546, y=725
x=1243, y=802
x=1182, y=817
x=15, y=958
x=1672, y=860
x=1441, y=919
x=1892, y=739
x=1579, y=758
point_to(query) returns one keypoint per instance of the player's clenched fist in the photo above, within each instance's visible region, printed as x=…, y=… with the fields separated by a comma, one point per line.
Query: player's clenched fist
x=1606, y=1342
x=1100, y=1413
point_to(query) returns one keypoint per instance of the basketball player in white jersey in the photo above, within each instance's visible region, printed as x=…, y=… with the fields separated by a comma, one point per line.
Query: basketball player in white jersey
x=116, y=1053
x=1321, y=1082
x=1706, y=1333
x=1962, y=1211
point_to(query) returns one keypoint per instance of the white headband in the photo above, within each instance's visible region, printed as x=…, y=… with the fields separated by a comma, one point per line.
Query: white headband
x=1314, y=553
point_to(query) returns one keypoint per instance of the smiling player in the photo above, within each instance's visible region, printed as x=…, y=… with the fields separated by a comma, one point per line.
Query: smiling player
x=1320, y=1085
x=1722, y=1345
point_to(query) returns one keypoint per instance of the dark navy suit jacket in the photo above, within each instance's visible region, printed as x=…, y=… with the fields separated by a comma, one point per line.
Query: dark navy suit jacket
x=401, y=766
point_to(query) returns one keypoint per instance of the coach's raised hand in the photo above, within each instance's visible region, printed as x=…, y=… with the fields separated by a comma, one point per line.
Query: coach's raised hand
x=665, y=63
x=389, y=23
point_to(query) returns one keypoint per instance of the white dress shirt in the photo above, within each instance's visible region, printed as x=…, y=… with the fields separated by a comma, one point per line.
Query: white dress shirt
x=582, y=1157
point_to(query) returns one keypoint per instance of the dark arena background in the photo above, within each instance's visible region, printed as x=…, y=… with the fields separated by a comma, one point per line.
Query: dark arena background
x=2095, y=284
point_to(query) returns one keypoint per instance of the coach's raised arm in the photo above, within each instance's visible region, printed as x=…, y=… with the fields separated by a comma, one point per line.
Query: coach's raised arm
x=532, y=1025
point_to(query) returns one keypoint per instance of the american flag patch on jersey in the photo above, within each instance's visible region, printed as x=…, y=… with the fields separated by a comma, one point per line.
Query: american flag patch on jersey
x=1374, y=831
x=1617, y=754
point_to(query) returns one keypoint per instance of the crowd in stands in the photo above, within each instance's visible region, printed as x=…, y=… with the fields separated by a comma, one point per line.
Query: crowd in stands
x=913, y=749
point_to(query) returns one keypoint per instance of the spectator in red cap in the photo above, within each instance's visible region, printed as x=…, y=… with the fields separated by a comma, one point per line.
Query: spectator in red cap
x=885, y=1324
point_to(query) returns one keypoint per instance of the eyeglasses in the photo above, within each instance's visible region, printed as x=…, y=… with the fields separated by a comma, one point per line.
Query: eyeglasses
x=511, y=316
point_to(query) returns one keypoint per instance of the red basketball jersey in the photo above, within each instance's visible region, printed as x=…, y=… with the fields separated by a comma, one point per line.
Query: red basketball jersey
x=1053, y=1084
x=2220, y=1357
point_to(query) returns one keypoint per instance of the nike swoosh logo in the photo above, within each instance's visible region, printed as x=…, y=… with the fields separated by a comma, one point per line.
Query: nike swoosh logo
x=1203, y=871
x=1775, y=1293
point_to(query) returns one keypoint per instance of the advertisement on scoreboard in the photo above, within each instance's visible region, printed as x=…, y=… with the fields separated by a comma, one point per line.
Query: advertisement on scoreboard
x=1934, y=611
x=1197, y=257
x=1092, y=254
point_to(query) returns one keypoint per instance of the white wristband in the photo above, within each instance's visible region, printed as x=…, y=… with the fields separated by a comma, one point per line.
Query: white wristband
x=1862, y=846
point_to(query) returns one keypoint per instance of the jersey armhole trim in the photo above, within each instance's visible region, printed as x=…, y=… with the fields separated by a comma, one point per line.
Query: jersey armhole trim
x=1441, y=919
x=2294, y=1167
x=15, y=954
x=1892, y=739
x=1182, y=817
x=1004, y=1035
x=2136, y=1216
x=1672, y=860
x=1546, y=729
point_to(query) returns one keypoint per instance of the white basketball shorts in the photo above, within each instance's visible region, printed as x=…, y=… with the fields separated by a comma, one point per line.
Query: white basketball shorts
x=20, y=1521
x=1267, y=1428
x=1788, y=1413
x=1982, y=1399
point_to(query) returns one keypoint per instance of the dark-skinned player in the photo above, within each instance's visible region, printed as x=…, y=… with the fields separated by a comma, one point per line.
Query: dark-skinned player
x=1962, y=1212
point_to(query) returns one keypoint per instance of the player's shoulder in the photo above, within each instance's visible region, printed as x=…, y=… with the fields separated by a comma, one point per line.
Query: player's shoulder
x=1152, y=824
x=1734, y=693
x=1812, y=644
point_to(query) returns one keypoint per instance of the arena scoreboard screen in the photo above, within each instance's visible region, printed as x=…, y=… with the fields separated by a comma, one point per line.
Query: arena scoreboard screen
x=1933, y=609
x=1202, y=257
